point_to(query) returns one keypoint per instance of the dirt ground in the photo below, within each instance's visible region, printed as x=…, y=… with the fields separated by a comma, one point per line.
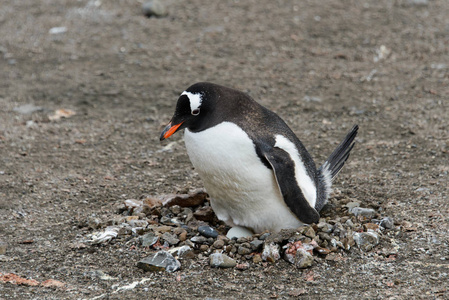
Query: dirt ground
x=321, y=65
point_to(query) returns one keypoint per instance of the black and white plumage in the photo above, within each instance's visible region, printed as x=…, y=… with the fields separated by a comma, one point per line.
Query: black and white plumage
x=257, y=172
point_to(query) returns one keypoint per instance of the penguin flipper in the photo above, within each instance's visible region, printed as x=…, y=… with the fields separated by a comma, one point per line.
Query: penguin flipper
x=284, y=170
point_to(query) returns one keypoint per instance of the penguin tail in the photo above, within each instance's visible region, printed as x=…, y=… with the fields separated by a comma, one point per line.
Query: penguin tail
x=332, y=166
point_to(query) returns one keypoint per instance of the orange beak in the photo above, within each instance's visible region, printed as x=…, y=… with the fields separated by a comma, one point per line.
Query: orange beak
x=169, y=130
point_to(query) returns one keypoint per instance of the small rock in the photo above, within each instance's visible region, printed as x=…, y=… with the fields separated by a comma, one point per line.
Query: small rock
x=351, y=205
x=349, y=223
x=264, y=236
x=242, y=267
x=170, y=238
x=311, y=99
x=322, y=251
x=208, y=231
x=257, y=259
x=204, y=248
x=51, y=283
x=243, y=250
x=162, y=229
x=238, y=232
x=57, y=30
x=151, y=202
x=348, y=242
x=138, y=223
x=309, y=232
x=324, y=236
x=205, y=214
x=186, y=252
x=161, y=260
x=220, y=260
x=419, y=3
x=148, y=239
x=3, y=247
x=365, y=212
x=366, y=240
x=271, y=252
x=283, y=235
x=302, y=259
x=183, y=236
x=218, y=244
x=111, y=232
x=27, y=109
x=256, y=245
x=176, y=209
x=195, y=198
x=154, y=8
x=370, y=226
x=199, y=239
x=387, y=223
x=242, y=239
x=166, y=220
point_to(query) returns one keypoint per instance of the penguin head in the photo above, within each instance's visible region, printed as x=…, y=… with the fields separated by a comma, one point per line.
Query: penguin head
x=193, y=109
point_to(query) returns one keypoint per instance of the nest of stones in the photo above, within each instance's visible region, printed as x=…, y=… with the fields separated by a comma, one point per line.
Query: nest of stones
x=181, y=227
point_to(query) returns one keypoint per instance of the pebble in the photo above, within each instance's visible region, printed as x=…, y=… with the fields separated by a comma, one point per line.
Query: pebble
x=349, y=223
x=195, y=198
x=138, y=223
x=351, y=205
x=170, y=238
x=179, y=230
x=257, y=259
x=309, y=232
x=365, y=212
x=270, y=252
x=324, y=236
x=387, y=223
x=207, y=231
x=148, y=239
x=205, y=214
x=57, y=30
x=161, y=260
x=27, y=109
x=366, y=240
x=186, y=252
x=322, y=251
x=421, y=3
x=220, y=260
x=324, y=227
x=256, y=244
x=218, y=244
x=162, y=229
x=3, y=247
x=243, y=250
x=301, y=259
x=198, y=239
x=154, y=8
x=264, y=236
x=204, y=248
x=238, y=232
x=94, y=222
x=105, y=236
x=176, y=209
x=370, y=226
x=242, y=267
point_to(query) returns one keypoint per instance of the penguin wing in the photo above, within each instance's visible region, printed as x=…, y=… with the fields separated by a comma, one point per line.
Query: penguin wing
x=284, y=170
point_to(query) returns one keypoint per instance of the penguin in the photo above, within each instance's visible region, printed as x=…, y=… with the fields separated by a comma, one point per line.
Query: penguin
x=256, y=171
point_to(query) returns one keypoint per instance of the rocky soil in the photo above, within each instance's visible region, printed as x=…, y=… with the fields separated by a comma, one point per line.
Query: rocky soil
x=91, y=201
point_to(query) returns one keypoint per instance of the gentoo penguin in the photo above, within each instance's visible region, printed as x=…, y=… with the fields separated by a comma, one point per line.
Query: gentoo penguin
x=256, y=171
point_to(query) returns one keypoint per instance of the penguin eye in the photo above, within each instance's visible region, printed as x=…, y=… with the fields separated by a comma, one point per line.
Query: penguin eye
x=196, y=112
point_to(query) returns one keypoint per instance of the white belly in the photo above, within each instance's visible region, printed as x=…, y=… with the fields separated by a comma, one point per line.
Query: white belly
x=243, y=191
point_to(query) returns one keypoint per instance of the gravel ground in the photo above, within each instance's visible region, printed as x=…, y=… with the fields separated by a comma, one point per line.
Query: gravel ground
x=87, y=86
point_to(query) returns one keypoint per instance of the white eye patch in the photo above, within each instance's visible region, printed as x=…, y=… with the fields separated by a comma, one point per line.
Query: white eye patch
x=194, y=99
